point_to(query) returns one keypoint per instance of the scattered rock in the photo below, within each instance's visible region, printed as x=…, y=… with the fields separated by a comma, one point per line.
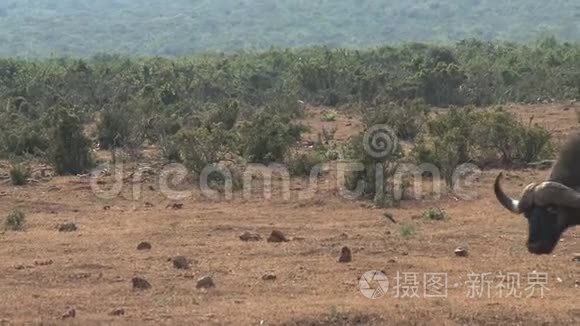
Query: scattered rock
x=175, y=206
x=67, y=227
x=460, y=252
x=148, y=204
x=277, y=236
x=19, y=267
x=140, y=283
x=298, y=239
x=181, y=262
x=345, y=255
x=250, y=236
x=269, y=277
x=205, y=282
x=390, y=217
x=70, y=313
x=151, y=188
x=106, y=208
x=391, y=261
x=43, y=262
x=144, y=246
x=577, y=284
x=343, y=236
x=576, y=258
x=117, y=312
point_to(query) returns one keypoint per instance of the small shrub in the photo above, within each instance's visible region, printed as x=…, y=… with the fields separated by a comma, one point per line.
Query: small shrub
x=19, y=175
x=269, y=136
x=15, y=220
x=201, y=147
x=435, y=214
x=69, y=150
x=226, y=115
x=302, y=163
x=328, y=115
x=407, y=231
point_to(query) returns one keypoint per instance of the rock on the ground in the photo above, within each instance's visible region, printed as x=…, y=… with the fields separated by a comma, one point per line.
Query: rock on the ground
x=205, y=282
x=117, y=312
x=576, y=258
x=70, y=313
x=181, y=262
x=269, y=277
x=144, y=246
x=345, y=255
x=460, y=252
x=67, y=227
x=277, y=236
x=43, y=262
x=250, y=236
x=140, y=283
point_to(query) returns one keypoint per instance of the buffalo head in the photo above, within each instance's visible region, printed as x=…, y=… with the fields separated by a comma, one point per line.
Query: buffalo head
x=549, y=208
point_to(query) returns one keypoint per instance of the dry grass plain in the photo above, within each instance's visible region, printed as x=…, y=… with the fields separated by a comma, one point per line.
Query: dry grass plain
x=44, y=272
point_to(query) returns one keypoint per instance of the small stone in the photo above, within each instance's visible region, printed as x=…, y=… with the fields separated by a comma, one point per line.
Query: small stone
x=277, y=236
x=148, y=204
x=181, y=262
x=43, y=262
x=460, y=252
x=106, y=208
x=70, y=313
x=117, y=312
x=391, y=261
x=144, y=246
x=67, y=227
x=577, y=284
x=175, y=206
x=576, y=258
x=205, y=282
x=269, y=277
x=19, y=267
x=140, y=284
x=250, y=236
x=345, y=255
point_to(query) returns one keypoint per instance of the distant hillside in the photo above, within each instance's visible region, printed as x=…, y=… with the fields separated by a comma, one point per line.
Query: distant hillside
x=176, y=27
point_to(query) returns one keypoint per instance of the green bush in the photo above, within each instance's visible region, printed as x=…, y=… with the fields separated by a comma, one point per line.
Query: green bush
x=302, y=163
x=69, y=150
x=114, y=128
x=19, y=174
x=407, y=231
x=201, y=147
x=15, y=220
x=481, y=137
x=269, y=136
x=226, y=115
x=435, y=214
x=328, y=115
x=406, y=119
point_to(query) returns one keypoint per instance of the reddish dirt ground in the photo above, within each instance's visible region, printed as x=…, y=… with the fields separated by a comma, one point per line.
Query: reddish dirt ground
x=44, y=271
